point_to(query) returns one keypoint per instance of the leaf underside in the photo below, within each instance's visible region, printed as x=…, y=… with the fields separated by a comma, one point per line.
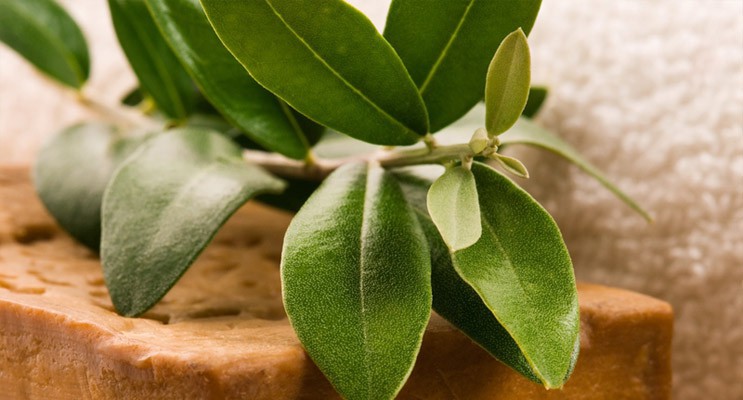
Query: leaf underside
x=164, y=205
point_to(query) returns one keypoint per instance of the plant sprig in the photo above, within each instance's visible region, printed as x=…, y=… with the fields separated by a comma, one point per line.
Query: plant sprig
x=383, y=236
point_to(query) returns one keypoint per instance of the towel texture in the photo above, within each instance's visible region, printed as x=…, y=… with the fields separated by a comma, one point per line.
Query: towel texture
x=651, y=92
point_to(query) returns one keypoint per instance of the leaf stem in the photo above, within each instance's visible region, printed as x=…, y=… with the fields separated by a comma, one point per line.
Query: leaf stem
x=116, y=114
x=320, y=168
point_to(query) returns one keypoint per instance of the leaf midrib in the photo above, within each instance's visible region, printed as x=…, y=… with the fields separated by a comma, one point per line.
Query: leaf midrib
x=445, y=51
x=335, y=73
x=362, y=257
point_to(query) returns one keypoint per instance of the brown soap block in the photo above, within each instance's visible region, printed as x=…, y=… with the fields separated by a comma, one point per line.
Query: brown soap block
x=222, y=332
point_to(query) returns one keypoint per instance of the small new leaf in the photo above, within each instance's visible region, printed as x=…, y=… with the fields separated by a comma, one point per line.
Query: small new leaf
x=447, y=45
x=479, y=141
x=512, y=165
x=457, y=301
x=164, y=205
x=507, y=83
x=43, y=33
x=454, y=208
x=356, y=281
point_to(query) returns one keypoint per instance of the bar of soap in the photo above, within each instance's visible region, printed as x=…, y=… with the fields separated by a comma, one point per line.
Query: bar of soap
x=222, y=331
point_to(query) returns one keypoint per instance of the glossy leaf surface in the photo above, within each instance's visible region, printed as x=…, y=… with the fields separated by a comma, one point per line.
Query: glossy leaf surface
x=528, y=132
x=356, y=282
x=159, y=72
x=257, y=112
x=522, y=271
x=164, y=205
x=72, y=171
x=447, y=47
x=327, y=60
x=43, y=33
x=453, y=206
x=507, y=85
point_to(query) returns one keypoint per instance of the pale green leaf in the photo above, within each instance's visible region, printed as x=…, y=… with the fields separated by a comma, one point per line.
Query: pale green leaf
x=521, y=269
x=356, y=279
x=164, y=205
x=327, y=60
x=43, y=33
x=452, y=202
x=72, y=171
x=528, y=132
x=512, y=165
x=507, y=86
x=447, y=47
x=159, y=72
x=246, y=104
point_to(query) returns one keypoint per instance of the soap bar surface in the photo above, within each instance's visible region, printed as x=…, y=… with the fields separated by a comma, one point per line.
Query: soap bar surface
x=222, y=333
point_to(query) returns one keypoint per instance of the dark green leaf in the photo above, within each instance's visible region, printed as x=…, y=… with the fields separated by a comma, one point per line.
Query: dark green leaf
x=43, y=33
x=293, y=197
x=523, y=273
x=158, y=70
x=447, y=47
x=263, y=117
x=507, y=85
x=164, y=205
x=133, y=98
x=356, y=279
x=327, y=60
x=528, y=132
x=72, y=171
x=537, y=96
x=452, y=203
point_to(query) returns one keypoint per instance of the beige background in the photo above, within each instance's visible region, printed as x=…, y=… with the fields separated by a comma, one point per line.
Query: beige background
x=651, y=91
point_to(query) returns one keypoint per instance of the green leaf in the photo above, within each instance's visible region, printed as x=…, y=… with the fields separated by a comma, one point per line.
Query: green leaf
x=43, y=33
x=507, y=86
x=158, y=70
x=452, y=202
x=528, y=132
x=246, y=104
x=356, y=280
x=447, y=47
x=537, y=96
x=453, y=298
x=72, y=171
x=523, y=273
x=512, y=165
x=164, y=205
x=134, y=97
x=327, y=60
